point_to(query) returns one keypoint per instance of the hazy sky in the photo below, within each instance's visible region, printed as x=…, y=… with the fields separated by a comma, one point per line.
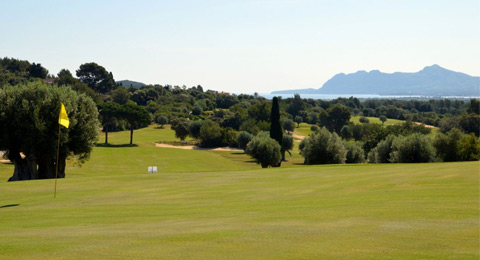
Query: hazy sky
x=243, y=46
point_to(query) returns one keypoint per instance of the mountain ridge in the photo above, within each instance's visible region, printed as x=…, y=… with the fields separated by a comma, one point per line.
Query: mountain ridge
x=430, y=81
x=127, y=83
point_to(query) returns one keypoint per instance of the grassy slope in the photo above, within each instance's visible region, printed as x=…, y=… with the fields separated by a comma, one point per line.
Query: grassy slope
x=304, y=128
x=218, y=205
x=376, y=120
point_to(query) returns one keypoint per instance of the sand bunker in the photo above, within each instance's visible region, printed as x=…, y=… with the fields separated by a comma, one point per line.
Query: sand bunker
x=192, y=147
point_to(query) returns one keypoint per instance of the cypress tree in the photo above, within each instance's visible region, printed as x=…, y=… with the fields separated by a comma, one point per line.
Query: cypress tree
x=276, y=131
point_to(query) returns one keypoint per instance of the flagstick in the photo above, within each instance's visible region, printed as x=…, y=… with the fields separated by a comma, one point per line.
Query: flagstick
x=56, y=170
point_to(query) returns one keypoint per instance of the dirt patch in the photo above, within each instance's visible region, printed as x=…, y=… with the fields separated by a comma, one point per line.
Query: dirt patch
x=192, y=147
x=427, y=126
x=297, y=136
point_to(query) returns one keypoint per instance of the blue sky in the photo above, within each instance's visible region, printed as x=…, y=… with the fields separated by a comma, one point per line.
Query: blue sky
x=243, y=46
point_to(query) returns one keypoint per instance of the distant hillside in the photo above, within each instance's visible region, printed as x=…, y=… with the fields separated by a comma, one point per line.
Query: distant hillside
x=128, y=83
x=431, y=81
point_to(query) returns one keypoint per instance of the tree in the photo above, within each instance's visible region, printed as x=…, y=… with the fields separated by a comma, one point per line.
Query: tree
x=382, y=152
x=414, y=148
x=335, y=118
x=287, y=145
x=181, y=128
x=260, y=111
x=298, y=120
x=29, y=128
x=37, y=71
x=469, y=148
x=446, y=145
x=96, y=77
x=226, y=100
x=296, y=106
x=383, y=119
x=109, y=112
x=323, y=147
x=474, y=106
x=194, y=128
x=136, y=116
x=65, y=78
x=265, y=150
x=346, y=132
x=289, y=125
x=355, y=153
x=197, y=109
x=243, y=138
x=470, y=123
x=139, y=97
x=364, y=120
x=161, y=120
x=250, y=126
x=120, y=95
x=210, y=134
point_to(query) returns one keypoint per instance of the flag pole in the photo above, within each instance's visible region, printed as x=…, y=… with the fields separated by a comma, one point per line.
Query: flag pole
x=56, y=170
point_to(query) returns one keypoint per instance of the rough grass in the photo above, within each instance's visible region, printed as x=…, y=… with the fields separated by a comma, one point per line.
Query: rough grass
x=220, y=205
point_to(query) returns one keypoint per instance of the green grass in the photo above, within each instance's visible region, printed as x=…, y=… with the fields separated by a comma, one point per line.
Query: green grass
x=376, y=120
x=304, y=129
x=220, y=205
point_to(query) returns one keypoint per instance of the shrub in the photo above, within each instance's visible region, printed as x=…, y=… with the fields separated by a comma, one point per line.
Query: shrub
x=250, y=126
x=161, y=120
x=470, y=123
x=381, y=153
x=265, y=150
x=355, y=153
x=210, y=134
x=314, y=128
x=243, y=138
x=412, y=149
x=229, y=137
x=194, y=128
x=346, y=132
x=364, y=120
x=447, y=145
x=197, y=109
x=323, y=147
x=469, y=148
x=180, y=126
x=383, y=119
x=263, y=125
x=372, y=156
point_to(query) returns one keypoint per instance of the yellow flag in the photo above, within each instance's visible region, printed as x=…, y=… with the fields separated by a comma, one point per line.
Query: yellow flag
x=63, y=118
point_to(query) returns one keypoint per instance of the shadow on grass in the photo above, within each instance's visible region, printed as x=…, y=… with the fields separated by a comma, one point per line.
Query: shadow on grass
x=116, y=145
x=159, y=127
x=9, y=205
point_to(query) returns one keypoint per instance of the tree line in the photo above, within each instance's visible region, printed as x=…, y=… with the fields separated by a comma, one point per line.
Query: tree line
x=222, y=119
